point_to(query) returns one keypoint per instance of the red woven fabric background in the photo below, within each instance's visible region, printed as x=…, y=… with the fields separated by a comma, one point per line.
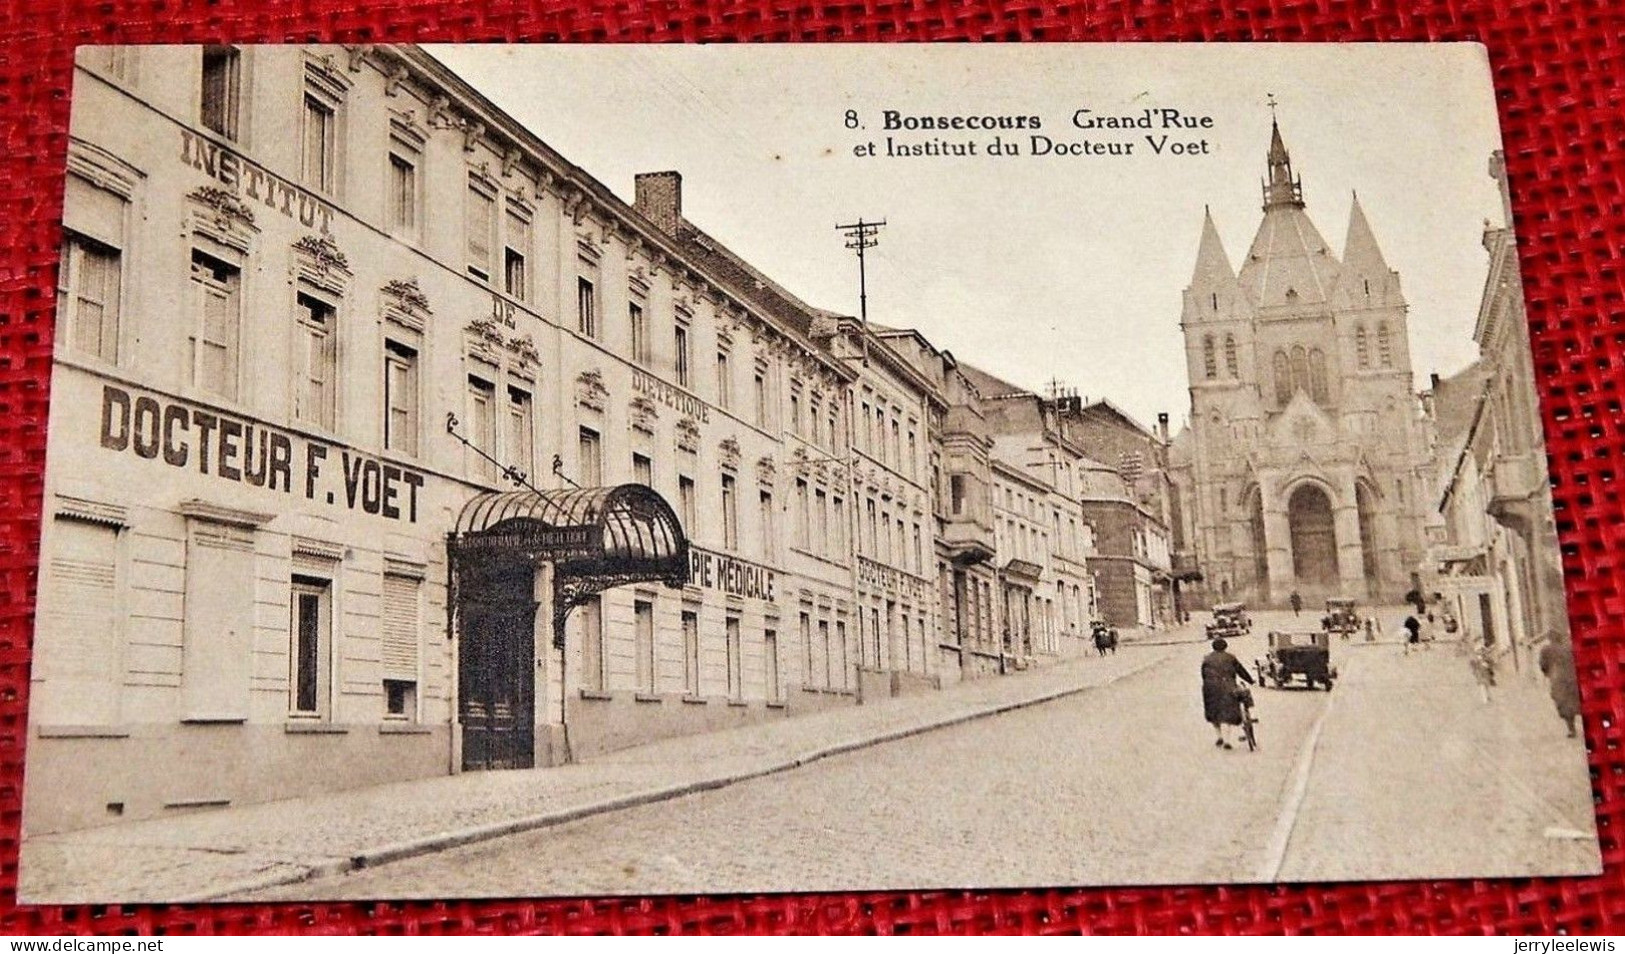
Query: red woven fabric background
x=1560, y=78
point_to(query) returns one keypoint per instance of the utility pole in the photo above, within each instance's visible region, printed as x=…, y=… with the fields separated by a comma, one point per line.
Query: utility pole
x=860, y=235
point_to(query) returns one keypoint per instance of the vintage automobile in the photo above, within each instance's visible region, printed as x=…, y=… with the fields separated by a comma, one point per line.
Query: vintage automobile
x=1293, y=656
x=1340, y=617
x=1229, y=620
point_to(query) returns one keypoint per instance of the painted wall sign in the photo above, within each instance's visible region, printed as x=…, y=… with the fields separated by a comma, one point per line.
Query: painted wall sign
x=229, y=448
x=890, y=579
x=242, y=176
x=670, y=395
x=731, y=575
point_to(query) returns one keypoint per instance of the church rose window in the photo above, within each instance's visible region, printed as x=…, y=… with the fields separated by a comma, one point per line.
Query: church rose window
x=1283, y=378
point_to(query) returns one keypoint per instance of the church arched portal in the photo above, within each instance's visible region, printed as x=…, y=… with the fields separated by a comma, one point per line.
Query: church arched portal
x=1314, y=540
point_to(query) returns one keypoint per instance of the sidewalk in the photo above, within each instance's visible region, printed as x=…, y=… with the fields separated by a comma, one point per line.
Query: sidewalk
x=206, y=856
x=1492, y=789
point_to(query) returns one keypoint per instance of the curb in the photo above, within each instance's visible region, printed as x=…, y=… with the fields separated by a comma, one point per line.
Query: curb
x=398, y=851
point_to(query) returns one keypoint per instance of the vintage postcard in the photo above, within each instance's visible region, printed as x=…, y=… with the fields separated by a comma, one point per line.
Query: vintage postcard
x=518, y=471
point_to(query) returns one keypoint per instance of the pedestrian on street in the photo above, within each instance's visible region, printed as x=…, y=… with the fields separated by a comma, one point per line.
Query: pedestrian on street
x=1413, y=631
x=1296, y=601
x=1219, y=702
x=1483, y=666
x=1557, y=664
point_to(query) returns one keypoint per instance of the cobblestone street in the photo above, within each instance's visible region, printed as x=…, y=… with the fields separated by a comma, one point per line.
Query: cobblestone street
x=1401, y=770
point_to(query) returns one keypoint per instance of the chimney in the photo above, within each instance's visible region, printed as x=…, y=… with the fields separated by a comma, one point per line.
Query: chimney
x=1162, y=426
x=1434, y=377
x=658, y=197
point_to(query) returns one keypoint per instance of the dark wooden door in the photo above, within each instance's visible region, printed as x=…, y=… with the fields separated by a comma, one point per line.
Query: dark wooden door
x=496, y=665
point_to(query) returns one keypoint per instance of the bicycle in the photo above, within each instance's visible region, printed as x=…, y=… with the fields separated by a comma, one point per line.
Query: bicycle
x=1245, y=697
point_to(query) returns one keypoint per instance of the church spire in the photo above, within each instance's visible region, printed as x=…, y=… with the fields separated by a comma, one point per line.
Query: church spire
x=1281, y=188
x=1360, y=251
x=1212, y=264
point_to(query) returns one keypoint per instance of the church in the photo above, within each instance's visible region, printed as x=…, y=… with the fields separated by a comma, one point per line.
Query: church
x=1302, y=467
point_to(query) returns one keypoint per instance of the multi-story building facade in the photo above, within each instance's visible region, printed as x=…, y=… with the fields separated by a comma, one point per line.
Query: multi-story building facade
x=1127, y=498
x=969, y=639
x=1306, y=452
x=1498, y=561
x=321, y=308
x=1043, y=540
x=893, y=404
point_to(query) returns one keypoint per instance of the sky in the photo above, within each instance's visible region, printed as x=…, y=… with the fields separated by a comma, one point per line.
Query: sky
x=1036, y=267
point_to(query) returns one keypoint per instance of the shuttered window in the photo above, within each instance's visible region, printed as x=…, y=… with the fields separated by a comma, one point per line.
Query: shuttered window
x=77, y=656
x=400, y=649
x=219, y=622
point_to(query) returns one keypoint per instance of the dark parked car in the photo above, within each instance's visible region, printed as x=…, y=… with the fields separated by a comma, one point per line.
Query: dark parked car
x=1294, y=656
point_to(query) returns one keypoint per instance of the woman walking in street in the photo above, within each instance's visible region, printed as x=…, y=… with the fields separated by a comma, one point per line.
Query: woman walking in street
x=1219, y=702
x=1557, y=664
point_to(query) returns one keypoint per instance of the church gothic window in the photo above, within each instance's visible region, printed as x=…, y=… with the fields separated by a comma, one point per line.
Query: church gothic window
x=1209, y=363
x=1230, y=356
x=1362, y=347
x=1385, y=347
x=1283, y=378
x=1300, y=369
x=1317, y=376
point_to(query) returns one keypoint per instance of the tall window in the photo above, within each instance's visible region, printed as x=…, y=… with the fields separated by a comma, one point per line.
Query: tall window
x=1300, y=369
x=795, y=409
x=685, y=503
x=1230, y=364
x=814, y=407
x=1317, y=376
x=681, y=363
x=807, y=648
x=956, y=494
x=840, y=527
x=520, y=427
x=736, y=661
x=770, y=665
x=590, y=458
x=803, y=531
x=643, y=637
x=638, y=322
x=759, y=394
x=482, y=424
x=310, y=628
x=1385, y=346
x=399, y=652
x=769, y=547
x=1362, y=347
x=480, y=225
x=220, y=90
x=515, y=279
x=400, y=398
x=725, y=381
x=1283, y=377
x=586, y=307
x=320, y=155
x=643, y=470
x=691, y=652
x=594, y=661
x=218, y=286
x=403, y=191
x=314, y=350
x=87, y=295
x=821, y=541
x=730, y=514
x=1210, y=365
